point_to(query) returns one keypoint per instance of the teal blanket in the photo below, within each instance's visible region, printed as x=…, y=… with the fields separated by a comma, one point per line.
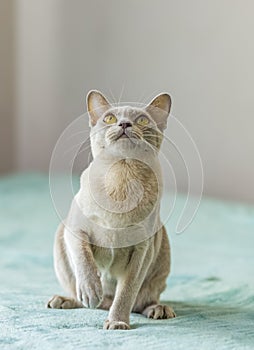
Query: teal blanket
x=211, y=286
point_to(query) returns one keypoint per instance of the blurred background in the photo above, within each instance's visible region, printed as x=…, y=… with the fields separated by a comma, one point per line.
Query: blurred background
x=201, y=52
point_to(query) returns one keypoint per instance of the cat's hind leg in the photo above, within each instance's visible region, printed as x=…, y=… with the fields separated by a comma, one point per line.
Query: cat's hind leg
x=159, y=311
x=148, y=299
x=148, y=303
x=64, y=274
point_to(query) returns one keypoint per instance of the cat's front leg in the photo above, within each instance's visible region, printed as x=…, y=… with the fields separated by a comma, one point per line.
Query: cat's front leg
x=88, y=283
x=128, y=286
x=89, y=289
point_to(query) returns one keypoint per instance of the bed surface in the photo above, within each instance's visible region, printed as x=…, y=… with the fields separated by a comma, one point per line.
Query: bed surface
x=211, y=286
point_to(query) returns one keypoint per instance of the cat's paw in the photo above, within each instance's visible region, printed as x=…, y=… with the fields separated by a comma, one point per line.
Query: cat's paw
x=89, y=292
x=159, y=311
x=59, y=302
x=110, y=325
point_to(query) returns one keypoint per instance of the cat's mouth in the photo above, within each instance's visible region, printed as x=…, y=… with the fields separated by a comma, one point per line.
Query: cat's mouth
x=127, y=134
x=122, y=135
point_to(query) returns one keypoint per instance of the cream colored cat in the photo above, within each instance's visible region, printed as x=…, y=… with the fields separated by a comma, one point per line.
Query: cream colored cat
x=112, y=252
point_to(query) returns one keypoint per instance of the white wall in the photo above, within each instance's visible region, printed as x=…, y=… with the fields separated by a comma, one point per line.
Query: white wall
x=202, y=52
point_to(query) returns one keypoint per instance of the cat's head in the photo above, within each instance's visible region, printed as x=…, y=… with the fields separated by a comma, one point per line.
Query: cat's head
x=121, y=127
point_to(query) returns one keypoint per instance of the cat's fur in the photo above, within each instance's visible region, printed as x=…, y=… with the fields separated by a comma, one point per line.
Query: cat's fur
x=112, y=252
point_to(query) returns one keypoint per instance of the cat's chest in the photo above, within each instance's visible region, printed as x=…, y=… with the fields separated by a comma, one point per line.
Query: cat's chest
x=111, y=260
x=123, y=195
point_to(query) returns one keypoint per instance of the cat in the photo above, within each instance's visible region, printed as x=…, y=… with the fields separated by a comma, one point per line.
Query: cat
x=112, y=252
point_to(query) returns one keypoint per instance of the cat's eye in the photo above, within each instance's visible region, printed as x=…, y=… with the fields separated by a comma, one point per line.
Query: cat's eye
x=142, y=120
x=110, y=119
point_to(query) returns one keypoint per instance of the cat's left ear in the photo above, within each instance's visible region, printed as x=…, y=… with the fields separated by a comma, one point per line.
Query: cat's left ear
x=159, y=110
x=97, y=105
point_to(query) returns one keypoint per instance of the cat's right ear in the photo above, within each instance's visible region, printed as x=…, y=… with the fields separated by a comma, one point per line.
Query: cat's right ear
x=97, y=105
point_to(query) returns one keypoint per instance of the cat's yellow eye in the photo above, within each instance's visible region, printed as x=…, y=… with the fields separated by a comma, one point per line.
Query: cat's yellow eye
x=110, y=119
x=142, y=120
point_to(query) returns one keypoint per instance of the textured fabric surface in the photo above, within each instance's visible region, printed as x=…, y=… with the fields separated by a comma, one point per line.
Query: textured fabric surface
x=210, y=288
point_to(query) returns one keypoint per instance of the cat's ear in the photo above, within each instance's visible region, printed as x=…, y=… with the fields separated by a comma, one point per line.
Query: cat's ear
x=97, y=105
x=159, y=109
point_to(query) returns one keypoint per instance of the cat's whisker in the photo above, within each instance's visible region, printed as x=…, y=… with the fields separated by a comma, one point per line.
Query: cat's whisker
x=94, y=132
x=78, y=133
x=154, y=147
x=152, y=138
x=152, y=131
x=142, y=95
x=113, y=97
x=121, y=94
x=146, y=100
x=137, y=134
x=153, y=135
x=146, y=134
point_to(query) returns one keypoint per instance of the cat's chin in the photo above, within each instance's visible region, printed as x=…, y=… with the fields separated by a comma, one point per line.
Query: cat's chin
x=124, y=141
x=128, y=147
x=121, y=144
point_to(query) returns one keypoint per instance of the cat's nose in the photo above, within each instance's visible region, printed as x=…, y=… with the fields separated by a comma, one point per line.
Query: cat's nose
x=125, y=125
